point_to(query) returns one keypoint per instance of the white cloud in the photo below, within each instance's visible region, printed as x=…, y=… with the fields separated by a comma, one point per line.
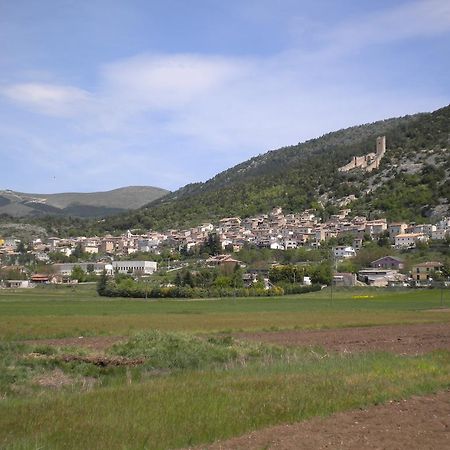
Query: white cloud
x=169, y=81
x=56, y=100
x=422, y=18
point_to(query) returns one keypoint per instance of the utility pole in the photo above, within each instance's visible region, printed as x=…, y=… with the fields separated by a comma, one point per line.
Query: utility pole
x=332, y=275
x=441, y=279
x=331, y=289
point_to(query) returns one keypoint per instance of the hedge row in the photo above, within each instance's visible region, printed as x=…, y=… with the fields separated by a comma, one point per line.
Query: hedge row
x=113, y=290
x=299, y=289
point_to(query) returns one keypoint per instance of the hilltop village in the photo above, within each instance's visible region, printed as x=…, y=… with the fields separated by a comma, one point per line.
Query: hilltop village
x=132, y=253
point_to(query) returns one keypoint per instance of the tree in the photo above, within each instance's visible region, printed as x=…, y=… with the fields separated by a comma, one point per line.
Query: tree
x=287, y=274
x=383, y=239
x=345, y=239
x=12, y=274
x=212, y=244
x=446, y=270
x=320, y=273
x=78, y=274
x=21, y=248
x=102, y=283
x=222, y=281
x=236, y=278
x=77, y=253
x=178, y=279
x=188, y=280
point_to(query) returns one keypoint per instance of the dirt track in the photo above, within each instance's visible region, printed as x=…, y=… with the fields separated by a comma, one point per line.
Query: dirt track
x=402, y=339
x=421, y=423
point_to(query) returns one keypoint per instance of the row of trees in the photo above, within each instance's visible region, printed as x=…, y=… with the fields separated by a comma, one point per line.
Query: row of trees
x=127, y=287
x=319, y=273
x=207, y=278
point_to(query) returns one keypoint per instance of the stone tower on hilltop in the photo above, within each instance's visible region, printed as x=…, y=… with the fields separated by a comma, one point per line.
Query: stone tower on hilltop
x=367, y=162
x=381, y=145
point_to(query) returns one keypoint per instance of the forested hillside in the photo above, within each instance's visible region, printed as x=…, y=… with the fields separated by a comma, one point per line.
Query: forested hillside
x=411, y=180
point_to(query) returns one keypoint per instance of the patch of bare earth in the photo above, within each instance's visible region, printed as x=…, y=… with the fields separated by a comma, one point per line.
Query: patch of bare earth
x=401, y=339
x=103, y=361
x=421, y=423
x=55, y=379
x=97, y=343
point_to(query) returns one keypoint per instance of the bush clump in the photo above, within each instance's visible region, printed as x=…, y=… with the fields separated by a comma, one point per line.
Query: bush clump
x=182, y=351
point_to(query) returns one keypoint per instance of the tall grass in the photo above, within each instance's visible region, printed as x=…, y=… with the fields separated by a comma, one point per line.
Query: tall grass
x=194, y=407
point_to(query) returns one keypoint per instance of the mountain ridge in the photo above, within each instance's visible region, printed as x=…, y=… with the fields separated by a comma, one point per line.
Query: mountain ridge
x=78, y=204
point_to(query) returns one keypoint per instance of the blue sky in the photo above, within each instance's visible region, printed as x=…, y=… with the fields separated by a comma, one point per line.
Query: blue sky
x=98, y=94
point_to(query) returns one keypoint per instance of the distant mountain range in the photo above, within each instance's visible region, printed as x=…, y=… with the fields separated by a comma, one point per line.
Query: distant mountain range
x=76, y=204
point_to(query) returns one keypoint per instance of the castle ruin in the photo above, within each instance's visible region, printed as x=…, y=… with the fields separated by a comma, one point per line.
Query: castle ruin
x=367, y=162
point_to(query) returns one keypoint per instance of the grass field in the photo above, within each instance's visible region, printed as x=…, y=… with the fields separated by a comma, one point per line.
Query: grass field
x=187, y=390
x=193, y=407
x=61, y=312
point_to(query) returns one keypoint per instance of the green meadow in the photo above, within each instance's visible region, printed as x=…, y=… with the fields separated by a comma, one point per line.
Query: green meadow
x=64, y=312
x=190, y=385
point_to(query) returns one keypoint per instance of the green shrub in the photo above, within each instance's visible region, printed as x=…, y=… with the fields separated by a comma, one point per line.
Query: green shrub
x=290, y=288
x=183, y=351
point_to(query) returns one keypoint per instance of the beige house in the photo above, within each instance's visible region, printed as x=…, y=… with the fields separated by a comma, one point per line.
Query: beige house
x=396, y=228
x=424, y=271
x=222, y=260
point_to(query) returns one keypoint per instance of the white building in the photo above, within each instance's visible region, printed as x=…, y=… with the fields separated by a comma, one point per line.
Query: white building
x=425, y=228
x=342, y=252
x=409, y=240
x=440, y=234
x=97, y=268
x=20, y=284
x=148, y=245
x=143, y=267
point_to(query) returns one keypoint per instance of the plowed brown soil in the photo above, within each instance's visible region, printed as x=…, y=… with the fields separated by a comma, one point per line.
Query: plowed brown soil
x=401, y=339
x=420, y=423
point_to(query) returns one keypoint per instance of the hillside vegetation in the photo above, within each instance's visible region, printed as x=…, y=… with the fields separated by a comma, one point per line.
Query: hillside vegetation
x=411, y=183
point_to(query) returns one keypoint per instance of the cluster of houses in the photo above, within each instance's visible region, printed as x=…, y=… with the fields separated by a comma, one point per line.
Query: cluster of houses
x=289, y=231
x=389, y=271
x=274, y=230
x=61, y=273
